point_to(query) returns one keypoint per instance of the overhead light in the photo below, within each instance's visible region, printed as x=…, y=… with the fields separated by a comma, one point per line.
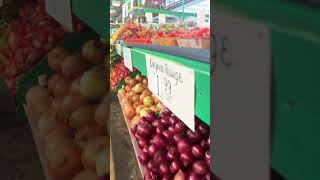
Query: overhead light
x=116, y=3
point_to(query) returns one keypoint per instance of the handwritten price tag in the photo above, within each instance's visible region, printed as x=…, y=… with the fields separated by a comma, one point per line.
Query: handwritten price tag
x=118, y=49
x=127, y=58
x=174, y=85
x=61, y=11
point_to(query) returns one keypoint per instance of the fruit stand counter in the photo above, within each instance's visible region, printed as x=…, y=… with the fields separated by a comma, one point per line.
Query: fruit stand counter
x=202, y=76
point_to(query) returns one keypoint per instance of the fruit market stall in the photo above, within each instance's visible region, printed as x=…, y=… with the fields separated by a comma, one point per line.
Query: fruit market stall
x=168, y=142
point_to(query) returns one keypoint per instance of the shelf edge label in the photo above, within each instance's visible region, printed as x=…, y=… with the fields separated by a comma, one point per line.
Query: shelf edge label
x=60, y=10
x=174, y=85
x=127, y=58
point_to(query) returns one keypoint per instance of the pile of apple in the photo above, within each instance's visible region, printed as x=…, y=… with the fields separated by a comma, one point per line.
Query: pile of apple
x=132, y=30
x=73, y=110
x=137, y=100
x=28, y=39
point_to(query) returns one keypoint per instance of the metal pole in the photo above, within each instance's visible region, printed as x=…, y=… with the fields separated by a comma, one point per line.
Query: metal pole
x=182, y=10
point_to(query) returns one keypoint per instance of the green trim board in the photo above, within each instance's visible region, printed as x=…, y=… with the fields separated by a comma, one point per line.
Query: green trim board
x=289, y=16
x=93, y=13
x=202, y=77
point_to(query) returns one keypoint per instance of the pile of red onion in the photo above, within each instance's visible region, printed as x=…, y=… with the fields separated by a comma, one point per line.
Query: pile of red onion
x=170, y=150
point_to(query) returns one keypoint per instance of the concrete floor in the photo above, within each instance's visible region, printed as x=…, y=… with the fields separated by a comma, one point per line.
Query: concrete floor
x=125, y=163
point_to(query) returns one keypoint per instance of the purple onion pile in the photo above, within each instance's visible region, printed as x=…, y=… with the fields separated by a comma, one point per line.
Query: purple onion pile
x=170, y=150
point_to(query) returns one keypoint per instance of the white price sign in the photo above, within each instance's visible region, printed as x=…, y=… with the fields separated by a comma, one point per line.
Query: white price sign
x=201, y=17
x=149, y=17
x=61, y=11
x=118, y=49
x=162, y=18
x=174, y=85
x=127, y=58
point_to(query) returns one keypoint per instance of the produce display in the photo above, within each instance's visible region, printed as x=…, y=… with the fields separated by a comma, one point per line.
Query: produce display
x=137, y=99
x=118, y=73
x=169, y=149
x=27, y=39
x=132, y=30
x=73, y=111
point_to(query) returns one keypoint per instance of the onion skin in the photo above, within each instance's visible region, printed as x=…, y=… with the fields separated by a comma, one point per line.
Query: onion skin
x=197, y=151
x=152, y=166
x=91, y=152
x=82, y=116
x=186, y=158
x=144, y=130
x=143, y=158
x=93, y=83
x=73, y=66
x=200, y=167
x=184, y=145
x=172, y=154
x=207, y=157
x=70, y=102
x=39, y=98
x=194, y=136
x=203, y=129
x=175, y=166
x=164, y=168
x=159, y=157
x=55, y=58
x=93, y=52
x=179, y=127
x=194, y=176
x=102, y=115
x=152, y=150
x=159, y=140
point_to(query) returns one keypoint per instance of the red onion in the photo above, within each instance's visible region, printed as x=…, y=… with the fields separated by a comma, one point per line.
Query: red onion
x=150, y=175
x=184, y=145
x=159, y=157
x=172, y=154
x=178, y=137
x=175, y=166
x=160, y=129
x=142, y=143
x=173, y=120
x=171, y=129
x=143, y=158
x=179, y=127
x=200, y=167
x=186, y=158
x=167, y=134
x=203, y=129
x=197, y=151
x=159, y=140
x=152, y=150
x=194, y=176
x=164, y=121
x=134, y=129
x=143, y=120
x=207, y=157
x=208, y=141
x=167, y=177
x=152, y=166
x=204, y=144
x=194, y=136
x=138, y=137
x=145, y=150
x=155, y=123
x=144, y=130
x=166, y=112
x=164, y=168
x=151, y=116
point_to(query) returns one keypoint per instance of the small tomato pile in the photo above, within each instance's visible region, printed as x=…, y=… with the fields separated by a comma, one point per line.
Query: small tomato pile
x=118, y=73
x=132, y=30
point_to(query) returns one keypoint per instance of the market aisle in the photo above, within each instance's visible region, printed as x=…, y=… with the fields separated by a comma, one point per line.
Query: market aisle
x=125, y=163
x=18, y=155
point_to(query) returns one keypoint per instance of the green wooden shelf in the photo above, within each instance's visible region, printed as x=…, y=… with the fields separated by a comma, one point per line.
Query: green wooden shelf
x=94, y=13
x=202, y=77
